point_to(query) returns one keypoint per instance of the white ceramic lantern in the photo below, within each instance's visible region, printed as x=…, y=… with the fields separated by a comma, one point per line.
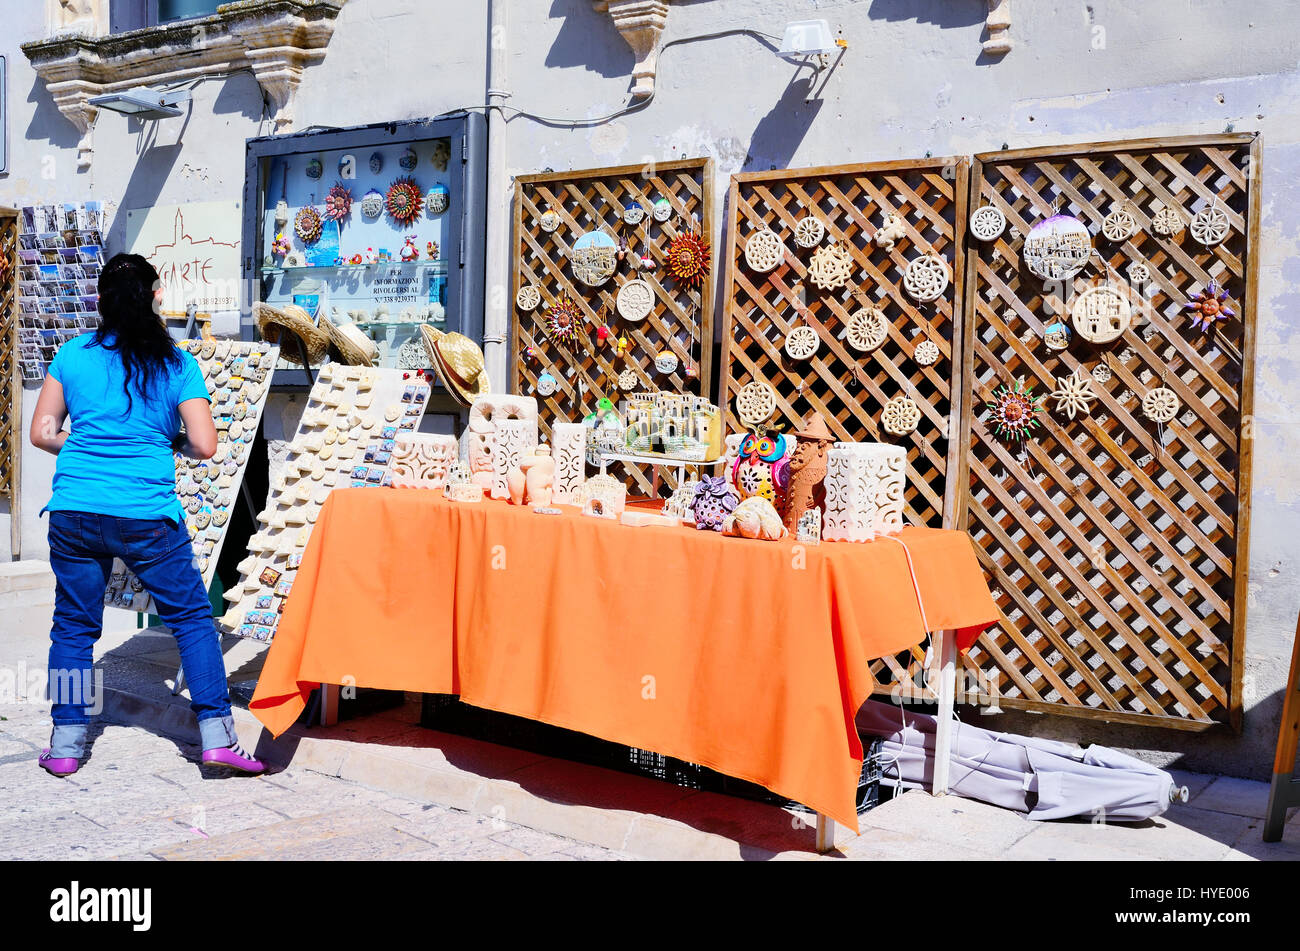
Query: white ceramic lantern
x=865, y=485
x=568, y=445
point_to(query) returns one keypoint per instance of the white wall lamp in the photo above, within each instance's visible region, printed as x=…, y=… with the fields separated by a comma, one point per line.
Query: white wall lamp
x=145, y=103
x=811, y=43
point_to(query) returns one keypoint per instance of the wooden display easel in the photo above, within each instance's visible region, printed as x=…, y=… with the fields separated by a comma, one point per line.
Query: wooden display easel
x=1285, y=792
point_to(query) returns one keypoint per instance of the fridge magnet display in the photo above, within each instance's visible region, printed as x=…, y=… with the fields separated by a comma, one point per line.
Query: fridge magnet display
x=987, y=223
x=926, y=278
x=1210, y=225
x=689, y=258
x=1210, y=306
x=890, y=233
x=404, y=202
x=1015, y=411
x=764, y=250
x=1057, y=248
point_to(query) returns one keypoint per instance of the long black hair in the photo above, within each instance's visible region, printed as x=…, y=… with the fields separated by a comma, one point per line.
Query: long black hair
x=130, y=323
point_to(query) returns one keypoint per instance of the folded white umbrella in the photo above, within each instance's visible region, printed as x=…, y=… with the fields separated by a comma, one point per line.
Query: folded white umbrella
x=1045, y=779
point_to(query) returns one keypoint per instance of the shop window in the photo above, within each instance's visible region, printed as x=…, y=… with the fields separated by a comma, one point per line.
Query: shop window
x=127, y=15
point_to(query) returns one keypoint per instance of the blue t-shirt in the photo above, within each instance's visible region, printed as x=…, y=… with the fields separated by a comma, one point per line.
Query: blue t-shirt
x=118, y=460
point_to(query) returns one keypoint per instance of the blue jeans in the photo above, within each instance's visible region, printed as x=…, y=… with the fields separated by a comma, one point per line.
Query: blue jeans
x=82, y=548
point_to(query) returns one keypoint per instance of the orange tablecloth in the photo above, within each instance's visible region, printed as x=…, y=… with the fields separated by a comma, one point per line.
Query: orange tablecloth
x=745, y=656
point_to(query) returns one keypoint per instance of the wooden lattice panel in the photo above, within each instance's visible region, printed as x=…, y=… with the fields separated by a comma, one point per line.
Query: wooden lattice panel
x=1118, y=561
x=682, y=316
x=850, y=388
x=10, y=404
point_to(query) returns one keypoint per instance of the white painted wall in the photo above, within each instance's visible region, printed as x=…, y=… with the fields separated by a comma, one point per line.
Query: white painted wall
x=913, y=81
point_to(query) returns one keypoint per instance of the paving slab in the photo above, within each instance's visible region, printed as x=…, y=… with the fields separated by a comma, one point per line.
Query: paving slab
x=964, y=823
x=1189, y=835
x=1240, y=797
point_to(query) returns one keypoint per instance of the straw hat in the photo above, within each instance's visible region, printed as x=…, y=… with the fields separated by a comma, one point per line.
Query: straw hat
x=814, y=428
x=458, y=361
x=348, y=344
x=275, y=323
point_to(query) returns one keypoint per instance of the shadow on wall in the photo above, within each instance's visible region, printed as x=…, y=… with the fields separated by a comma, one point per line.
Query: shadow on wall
x=589, y=40
x=48, y=123
x=945, y=14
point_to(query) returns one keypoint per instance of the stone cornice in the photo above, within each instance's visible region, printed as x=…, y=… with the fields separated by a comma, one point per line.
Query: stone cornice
x=641, y=23
x=276, y=39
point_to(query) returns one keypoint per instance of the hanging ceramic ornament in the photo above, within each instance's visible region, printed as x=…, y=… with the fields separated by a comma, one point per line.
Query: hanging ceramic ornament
x=809, y=231
x=1160, y=405
x=562, y=320
x=802, y=343
x=890, y=233
x=1057, y=249
x=755, y=403
x=1074, y=394
x=376, y=163
x=1210, y=307
x=338, y=203
x=409, y=160
x=927, y=353
x=308, y=224
x=528, y=298
x=1167, y=222
x=436, y=202
x=404, y=202
x=1120, y=225
x=546, y=384
x=867, y=328
x=315, y=169
x=926, y=278
x=549, y=220
x=1101, y=313
x=282, y=206
x=372, y=205
x=666, y=361
x=987, y=223
x=1138, y=273
x=831, y=267
x=594, y=258
x=633, y=213
x=1102, y=373
x=900, y=416
x=1057, y=336
x=689, y=258
x=1210, y=225
x=764, y=250
x=635, y=300
x=663, y=210
x=1015, y=411
x=628, y=380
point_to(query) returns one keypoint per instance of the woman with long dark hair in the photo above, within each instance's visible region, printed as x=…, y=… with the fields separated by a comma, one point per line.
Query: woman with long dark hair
x=127, y=388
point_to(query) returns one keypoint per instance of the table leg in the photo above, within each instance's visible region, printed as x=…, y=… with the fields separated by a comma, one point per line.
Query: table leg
x=825, y=833
x=654, y=481
x=947, y=655
x=329, y=704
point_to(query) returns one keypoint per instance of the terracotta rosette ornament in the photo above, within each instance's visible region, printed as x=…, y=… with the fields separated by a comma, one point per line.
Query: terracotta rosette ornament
x=689, y=258
x=1015, y=411
x=404, y=201
x=1210, y=307
x=338, y=203
x=308, y=224
x=562, y=319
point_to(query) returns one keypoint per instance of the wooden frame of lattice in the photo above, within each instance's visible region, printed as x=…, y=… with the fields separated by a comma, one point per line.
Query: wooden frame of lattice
x=11, y=414
x=682, y=318
x=847, y=387
x=1118, y=561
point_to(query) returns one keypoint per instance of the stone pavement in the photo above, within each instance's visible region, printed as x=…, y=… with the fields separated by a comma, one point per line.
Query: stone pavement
x=380, y=786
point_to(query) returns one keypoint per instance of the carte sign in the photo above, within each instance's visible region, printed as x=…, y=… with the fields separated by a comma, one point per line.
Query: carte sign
x=196, y=251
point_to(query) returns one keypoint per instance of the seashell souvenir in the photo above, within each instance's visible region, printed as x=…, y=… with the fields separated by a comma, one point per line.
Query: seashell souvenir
x=438, y=199
x=594, y=258
x=755, y=517
x=1057, y=249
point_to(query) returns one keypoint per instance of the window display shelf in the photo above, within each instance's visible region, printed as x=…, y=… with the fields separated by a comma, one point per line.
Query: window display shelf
x=437, y=267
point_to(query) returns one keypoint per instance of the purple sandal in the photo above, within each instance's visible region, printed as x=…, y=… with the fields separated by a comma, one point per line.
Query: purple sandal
x=233, y=757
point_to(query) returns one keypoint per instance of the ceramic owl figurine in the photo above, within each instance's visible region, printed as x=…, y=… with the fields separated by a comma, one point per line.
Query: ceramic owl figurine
x=714, y=501
x=762, y=467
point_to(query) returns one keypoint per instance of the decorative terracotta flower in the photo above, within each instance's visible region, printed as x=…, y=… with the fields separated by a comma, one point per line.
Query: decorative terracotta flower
x=1015, y=411
x=688, y=258
x=405, y=201
x=338, y=203
x=308, y=224
x=1210, y=306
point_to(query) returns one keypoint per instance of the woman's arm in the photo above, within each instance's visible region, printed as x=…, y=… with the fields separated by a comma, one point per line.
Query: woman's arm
x=199, y=440
x=47, y=422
